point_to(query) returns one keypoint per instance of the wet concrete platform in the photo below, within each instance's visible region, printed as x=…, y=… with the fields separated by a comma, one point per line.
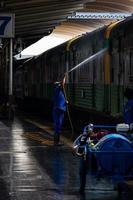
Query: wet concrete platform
x=32, y=168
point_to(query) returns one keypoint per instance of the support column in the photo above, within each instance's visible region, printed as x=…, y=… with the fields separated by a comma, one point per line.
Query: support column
x=11, y=82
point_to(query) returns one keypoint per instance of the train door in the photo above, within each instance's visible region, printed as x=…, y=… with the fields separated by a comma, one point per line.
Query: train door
x=128, y=75
x=117, y=76
x=131, y=69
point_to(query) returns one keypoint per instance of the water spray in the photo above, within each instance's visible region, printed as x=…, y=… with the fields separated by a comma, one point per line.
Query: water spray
x=91, y=58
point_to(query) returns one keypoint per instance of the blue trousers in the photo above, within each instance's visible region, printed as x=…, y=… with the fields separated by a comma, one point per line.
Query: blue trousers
x=85, y=165
x=58, y=117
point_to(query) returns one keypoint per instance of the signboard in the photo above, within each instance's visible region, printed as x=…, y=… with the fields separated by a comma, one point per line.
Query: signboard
x=6, y=25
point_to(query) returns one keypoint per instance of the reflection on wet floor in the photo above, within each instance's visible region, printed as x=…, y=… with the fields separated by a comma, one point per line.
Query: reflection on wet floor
x=30, y=169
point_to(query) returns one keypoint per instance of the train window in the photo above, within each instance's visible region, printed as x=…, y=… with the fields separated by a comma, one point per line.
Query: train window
x=131, y=62
x=84, y=74
x=37, y=74
x=99, y=70
x=25, y=76
x=62, y=62
x=82, y=93
x=127, y=68
x=32, y=77
x=26, y=91
x=114, y=67
x=129, y=72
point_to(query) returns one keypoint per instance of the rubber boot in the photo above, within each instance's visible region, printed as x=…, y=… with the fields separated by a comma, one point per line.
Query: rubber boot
x=56, y=139
x=82, y=183
x=83, y=173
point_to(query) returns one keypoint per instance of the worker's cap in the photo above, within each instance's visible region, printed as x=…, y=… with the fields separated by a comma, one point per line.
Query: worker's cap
x=58, y=83
x=89, y=128
x=122, y=127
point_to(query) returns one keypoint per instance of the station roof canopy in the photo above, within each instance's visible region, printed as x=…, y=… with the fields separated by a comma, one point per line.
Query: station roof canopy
x=61, y=34
x=110, y=6
x=99, y=14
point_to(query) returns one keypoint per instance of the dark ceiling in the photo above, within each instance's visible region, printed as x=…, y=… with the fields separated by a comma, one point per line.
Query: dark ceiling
x=39, y=17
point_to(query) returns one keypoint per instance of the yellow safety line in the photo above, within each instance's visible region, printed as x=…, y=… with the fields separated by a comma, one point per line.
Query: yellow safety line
x=50, y=131
x=36, y=137
x=46, y=128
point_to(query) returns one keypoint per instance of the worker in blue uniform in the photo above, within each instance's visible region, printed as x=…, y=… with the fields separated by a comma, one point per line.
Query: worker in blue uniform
x=81, y=145
x=128, y=108
x=59, y=109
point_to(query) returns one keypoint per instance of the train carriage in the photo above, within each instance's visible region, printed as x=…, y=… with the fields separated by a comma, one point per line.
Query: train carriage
x=96, y=89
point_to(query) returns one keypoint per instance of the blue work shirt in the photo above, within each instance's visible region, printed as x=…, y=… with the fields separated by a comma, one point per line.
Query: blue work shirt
x=59, y=100
x=128, y=112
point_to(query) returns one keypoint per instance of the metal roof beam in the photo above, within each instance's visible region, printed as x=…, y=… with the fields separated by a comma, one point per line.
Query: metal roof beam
x=46, y=14
x=38, y=27
x=44, y=7
x=31, y=32
x=33, y=3
x=51, y=19
x=98, y=15
x=47, y=9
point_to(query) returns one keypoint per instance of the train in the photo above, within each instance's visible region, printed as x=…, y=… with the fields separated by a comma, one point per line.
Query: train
x=95, y=90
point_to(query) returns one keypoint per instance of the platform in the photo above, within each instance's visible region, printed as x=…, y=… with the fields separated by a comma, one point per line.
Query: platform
x=30, y=167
